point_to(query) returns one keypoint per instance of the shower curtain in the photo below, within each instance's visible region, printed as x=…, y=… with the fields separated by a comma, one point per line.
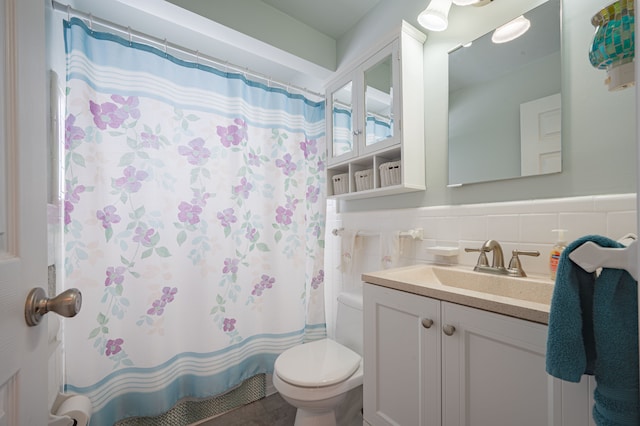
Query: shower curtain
x=194, y=225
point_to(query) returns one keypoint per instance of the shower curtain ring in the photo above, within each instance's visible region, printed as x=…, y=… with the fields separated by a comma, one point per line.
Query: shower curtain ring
x=130, y=38
x=197, y=58
x=165, y=47
x=91, y=22
x=68, y=13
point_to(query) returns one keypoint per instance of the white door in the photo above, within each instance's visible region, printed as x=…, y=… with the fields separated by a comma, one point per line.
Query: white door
x=23, y=263
x=541, y=136
x=637, y=89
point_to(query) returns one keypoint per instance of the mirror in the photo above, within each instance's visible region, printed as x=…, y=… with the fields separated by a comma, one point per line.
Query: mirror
x=341, y=101
x=378, y=98
x=504, y=103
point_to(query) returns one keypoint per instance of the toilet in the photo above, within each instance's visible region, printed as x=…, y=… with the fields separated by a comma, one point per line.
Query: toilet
x=323, y=378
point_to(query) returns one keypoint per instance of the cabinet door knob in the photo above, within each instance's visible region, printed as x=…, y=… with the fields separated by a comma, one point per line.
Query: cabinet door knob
x=427, y=323
x=449, y=330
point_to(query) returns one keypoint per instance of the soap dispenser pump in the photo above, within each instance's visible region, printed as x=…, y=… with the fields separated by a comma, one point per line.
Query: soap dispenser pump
x=556, y=251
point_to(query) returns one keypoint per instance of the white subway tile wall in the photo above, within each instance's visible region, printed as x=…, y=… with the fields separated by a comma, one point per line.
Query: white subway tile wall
x=523, y=225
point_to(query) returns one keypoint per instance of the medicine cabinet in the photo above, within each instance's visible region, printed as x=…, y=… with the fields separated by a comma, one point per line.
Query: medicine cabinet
x=375, y=121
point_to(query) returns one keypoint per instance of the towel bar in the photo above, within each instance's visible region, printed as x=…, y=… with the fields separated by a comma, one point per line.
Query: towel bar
x=590, y=256
x=416, y=233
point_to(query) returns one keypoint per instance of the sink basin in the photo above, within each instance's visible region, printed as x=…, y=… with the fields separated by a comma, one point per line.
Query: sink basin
x=522, y=288
x=460, y=280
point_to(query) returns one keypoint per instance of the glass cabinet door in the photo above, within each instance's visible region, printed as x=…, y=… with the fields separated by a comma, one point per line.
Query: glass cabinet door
x=343, y=125
x=380, y=77
x=378, y=89
x=363, y=108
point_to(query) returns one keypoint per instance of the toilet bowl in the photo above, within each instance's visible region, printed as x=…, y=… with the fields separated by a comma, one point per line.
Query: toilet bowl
x=320, y=377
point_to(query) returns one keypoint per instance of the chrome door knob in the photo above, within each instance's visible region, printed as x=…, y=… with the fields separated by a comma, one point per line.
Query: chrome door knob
x=67, y=304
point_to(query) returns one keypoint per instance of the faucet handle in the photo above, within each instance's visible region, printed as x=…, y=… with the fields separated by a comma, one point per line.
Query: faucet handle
x=482, y=259
x=515, y=267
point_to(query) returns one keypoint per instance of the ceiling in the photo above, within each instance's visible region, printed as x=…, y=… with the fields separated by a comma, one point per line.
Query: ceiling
x=321, y=14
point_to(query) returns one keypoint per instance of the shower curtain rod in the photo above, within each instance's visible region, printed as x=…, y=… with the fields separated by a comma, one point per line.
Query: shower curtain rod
x=163, y=44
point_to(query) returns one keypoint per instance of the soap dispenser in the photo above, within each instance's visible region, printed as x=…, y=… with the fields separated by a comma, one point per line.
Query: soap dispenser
x=556, y=251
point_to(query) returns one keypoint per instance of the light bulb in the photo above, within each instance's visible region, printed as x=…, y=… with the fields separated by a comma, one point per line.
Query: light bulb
x=465, y=2
x=511, y=30
x=435, y=16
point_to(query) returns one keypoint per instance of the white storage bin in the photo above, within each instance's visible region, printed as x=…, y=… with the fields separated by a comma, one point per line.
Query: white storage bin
x=364, y=179
x=390, y=173
x=341, y=184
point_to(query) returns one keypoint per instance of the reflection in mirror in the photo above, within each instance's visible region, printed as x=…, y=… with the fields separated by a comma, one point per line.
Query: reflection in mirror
x=342, y=120
x=504, y=103
x=378, y=102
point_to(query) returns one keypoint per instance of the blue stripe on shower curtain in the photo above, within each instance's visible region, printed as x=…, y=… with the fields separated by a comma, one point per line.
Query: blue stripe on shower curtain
x=194, y=225
x=342, y=131
x=377, y=129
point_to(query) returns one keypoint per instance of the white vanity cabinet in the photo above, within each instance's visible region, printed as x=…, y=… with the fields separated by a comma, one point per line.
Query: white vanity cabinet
x=431, y=363
x=375, y=117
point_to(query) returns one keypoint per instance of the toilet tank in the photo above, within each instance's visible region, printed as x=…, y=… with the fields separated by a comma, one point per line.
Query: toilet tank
x=349, y=323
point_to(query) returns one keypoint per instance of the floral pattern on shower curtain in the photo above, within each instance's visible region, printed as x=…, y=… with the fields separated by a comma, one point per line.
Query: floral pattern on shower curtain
x=194, y=225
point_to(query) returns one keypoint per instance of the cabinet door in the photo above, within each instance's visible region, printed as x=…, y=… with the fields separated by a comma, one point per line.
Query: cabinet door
x=572, y=403
x=402, y=358
x=381, y=90
x=342, y=118
x=493, y=370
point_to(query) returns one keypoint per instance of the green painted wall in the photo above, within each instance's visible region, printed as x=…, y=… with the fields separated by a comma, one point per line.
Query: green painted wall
x=599, y=145
x=259, y=20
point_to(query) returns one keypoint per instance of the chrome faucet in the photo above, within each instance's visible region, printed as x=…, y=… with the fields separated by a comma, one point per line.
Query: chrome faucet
x=497, y=262
x=498, y=257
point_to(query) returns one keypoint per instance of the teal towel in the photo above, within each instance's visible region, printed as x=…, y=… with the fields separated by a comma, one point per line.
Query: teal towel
x=593, y=329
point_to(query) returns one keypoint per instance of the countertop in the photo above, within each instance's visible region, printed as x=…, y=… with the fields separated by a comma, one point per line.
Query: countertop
x=419, y=280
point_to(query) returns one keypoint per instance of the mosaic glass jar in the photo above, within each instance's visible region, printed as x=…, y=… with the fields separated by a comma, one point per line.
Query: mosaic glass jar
x=613, y=42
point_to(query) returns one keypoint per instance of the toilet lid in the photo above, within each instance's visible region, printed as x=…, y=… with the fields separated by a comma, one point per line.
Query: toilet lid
x=319, y=363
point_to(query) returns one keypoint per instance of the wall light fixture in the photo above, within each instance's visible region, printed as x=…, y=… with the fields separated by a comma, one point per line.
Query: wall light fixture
x=436, y=16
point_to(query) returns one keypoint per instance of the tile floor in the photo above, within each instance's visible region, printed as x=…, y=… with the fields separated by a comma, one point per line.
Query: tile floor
x=269, y=411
